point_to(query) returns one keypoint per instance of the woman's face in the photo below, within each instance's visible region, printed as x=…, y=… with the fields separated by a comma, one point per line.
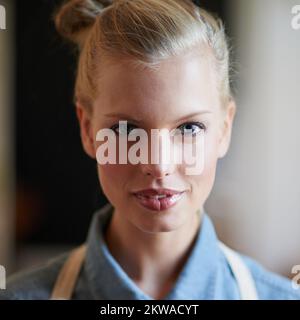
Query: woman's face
x=182, y=92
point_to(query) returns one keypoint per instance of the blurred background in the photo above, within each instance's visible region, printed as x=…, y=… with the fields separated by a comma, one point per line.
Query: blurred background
x=49, y=187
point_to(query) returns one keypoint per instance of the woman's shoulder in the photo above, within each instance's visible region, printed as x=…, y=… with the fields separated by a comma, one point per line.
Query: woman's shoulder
x=35, y=283
x=270, y=285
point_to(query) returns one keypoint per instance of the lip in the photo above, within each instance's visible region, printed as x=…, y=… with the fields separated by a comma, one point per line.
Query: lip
x=147, y=200
x=154, y=192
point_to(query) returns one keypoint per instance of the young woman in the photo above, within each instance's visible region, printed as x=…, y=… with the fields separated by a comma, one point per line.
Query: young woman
x=152, y=64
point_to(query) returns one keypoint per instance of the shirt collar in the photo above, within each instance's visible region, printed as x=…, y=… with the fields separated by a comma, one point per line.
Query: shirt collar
x=107, y=279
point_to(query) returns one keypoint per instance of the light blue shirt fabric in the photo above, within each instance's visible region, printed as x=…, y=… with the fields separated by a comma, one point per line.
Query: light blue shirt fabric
x=206, y=274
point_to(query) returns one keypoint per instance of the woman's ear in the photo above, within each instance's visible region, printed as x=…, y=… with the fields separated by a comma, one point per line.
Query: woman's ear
x=227, y=122
x=86, y=130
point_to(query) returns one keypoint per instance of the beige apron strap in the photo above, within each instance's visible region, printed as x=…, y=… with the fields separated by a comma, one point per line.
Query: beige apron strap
x=241, y=273
x=66, y=280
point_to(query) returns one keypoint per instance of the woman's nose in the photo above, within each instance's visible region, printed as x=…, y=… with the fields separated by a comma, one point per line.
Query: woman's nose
x=160, y=161
x=160, y=158
x=157, y=171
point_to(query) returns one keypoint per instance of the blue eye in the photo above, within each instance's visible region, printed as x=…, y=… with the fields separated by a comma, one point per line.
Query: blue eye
x=193, y=128
x=121, y=129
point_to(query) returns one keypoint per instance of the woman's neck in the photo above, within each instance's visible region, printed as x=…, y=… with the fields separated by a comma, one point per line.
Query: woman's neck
x=152, y=260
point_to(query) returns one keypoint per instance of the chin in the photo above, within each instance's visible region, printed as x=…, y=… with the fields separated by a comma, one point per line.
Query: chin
x=157, y=221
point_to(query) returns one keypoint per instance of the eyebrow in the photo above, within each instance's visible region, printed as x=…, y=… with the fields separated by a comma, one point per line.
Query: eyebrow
x=127, y=117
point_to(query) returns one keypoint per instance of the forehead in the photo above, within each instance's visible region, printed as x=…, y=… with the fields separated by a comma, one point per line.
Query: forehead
x=184, y=82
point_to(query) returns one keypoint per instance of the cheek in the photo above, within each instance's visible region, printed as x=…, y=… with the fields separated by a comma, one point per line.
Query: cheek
x=113, y=174
x=202, y=183
x=211, y=154
x=113, y=179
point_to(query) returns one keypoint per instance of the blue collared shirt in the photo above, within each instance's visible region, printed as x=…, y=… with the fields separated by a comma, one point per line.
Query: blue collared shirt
x=206, y=274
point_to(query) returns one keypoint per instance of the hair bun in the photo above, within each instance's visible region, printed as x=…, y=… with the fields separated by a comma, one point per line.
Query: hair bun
x=74, y=17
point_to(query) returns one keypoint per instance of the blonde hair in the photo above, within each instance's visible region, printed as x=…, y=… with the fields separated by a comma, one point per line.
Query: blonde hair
x=148, y=31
